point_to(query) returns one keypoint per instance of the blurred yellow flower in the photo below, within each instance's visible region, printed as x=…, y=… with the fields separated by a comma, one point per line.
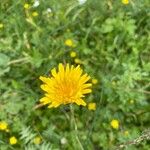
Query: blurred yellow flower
x=12, y=140
x=3, y=125
x=131, y=101
x=35, y=14
x=92, y=106
x=115, y=124
x=94, y=81
x=126, y=133
x=77, y=61
x=1, y=25
x=69, y=43
x=26, y=6
x=113, y=83
x=73, y=54
x=37, y=140
x=125, y=2
x=67, y=85
x=68, y=30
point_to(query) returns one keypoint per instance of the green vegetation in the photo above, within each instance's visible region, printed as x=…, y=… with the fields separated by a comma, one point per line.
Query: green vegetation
x=111, y=42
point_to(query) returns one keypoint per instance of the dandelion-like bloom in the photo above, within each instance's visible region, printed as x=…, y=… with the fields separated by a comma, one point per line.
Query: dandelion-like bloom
x=1, y=25
x=68, y=85
x=69, y=43
x=94, y=81
x=13, y=140
x=35, y=14
x=125, y=2
x=73, y=54
x=37, y=140
x=26, y=6
x=92, y=106
x=3, y=125
x=115, y=124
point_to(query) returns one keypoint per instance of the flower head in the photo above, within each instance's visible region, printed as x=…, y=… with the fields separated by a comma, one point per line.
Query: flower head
x=35, y=14
x=37, y=140
x=12, y=140
x=26, y=6
x=3, y=125
x=115, y=124
x=92, y=106
x=94, y=81
x=73, y=54
x=126, y=133
x=131, y=101
x=69, y=43
x=125, y=2
x=68, y=85
x=77, y=61
x=1, y=25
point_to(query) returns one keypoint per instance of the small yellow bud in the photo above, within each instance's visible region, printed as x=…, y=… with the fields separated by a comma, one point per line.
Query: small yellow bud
x=92, y=106
x=73, y=54
x=113, y=83
x=77, y=61
x=126, y=133
x=35, y=14
x=1, y=25
x=68, y=30
x=26, y=6
x=12, y=140
x=125, y=2
x=131, y=101
x=69, y=43
x=37, y=140
x=3, y=125
x=94, y=81
x=115, y=124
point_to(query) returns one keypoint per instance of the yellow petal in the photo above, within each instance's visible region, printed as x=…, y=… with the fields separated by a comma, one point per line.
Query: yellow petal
x=53, y=72
x=45, y=100
x=80, y=102
x=84, y=86
x=45, y=80
x=84, y=79
x=85, y=91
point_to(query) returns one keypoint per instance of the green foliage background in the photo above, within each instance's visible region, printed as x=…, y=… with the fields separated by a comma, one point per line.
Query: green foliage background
x=113, y=43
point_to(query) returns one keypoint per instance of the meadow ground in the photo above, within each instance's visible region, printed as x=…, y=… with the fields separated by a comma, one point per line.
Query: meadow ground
x=109, y=39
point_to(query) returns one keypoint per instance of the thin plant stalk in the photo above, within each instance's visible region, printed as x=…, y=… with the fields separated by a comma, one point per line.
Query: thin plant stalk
x=74, y=127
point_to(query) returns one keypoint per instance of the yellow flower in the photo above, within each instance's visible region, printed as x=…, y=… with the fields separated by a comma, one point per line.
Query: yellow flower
x=94, y=81
x=35, y=14
x=125, y=2
x=1, y=25
x=37, y=140
x=126, y=133
x=3, y=125
x=115, y=124
x=131, y=101
x=68, y=30
x=92, y=106
x=12, y=140
x=113, y=83
x=69, y=43
x=26, y=6
x=73, y=54
x=77, y=61
x=68, y=85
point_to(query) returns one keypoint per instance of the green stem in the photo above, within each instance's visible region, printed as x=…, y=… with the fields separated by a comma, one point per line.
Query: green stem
x=74, y=127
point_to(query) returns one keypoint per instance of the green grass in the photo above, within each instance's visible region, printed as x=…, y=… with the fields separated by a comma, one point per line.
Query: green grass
x=112, y=42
